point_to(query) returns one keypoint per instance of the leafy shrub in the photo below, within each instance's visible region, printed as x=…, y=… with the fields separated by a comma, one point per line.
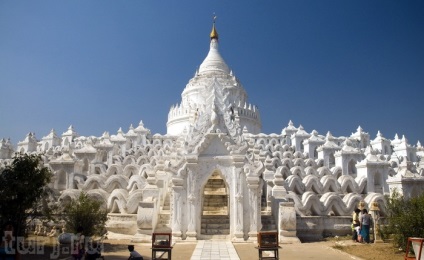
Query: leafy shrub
x=405, y=218
x=85, y=213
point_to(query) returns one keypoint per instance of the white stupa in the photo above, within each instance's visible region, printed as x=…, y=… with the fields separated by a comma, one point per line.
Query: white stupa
x=215, y=175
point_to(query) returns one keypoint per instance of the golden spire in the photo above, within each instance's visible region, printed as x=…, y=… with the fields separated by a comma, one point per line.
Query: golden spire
x=214, y=33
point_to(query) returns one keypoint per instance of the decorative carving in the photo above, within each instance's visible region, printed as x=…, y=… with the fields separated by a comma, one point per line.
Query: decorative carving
x=239, y=197
x=191, y=198
x=145, y=215
x=254, y=209
x=191, y=188
x=176, y=210
x=239, y=203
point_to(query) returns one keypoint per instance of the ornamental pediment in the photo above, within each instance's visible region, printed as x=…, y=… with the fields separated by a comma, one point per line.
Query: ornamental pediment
x=214, y=147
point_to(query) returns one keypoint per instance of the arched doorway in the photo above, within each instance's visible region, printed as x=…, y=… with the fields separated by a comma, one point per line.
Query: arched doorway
x=61, y=180
x=351, y=168
x=215, y=207
x=85, y=166
x=378, y=185
x=331, y=161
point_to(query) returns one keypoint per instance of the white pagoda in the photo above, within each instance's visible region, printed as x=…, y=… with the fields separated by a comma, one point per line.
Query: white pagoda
x=215, y=175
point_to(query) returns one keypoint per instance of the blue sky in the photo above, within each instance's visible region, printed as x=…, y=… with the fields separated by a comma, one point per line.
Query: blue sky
x=101, y=65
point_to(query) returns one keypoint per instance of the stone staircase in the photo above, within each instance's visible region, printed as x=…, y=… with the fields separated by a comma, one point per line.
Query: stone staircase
x=215, y=199
x=215, y=220
x=215, y=205
x=267, y=219
x=268, y=222
x=215, y=225
x=264, y=204
x=164, y=222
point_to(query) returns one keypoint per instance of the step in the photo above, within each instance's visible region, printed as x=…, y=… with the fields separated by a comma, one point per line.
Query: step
x=215, y=182
x=217, y=219
x=215, y=179
x=214, y=186
x=221, y=197
x=164, y=222
x=212, y=222
x=214, y=213
x=166, y=206
x=215, y=203
x=213, y=237
x=219, y=192
x=165, y=212
x=164, y=216
x=215, y=208
x=269, y=228
x=215, y=231
x=215, y=197
x=215, y=200
x=166, y=203
x=215, y=226
x=266, y=213
x=268, y=223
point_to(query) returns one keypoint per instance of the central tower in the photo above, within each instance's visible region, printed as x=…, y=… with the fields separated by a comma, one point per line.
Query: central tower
x=199, y=96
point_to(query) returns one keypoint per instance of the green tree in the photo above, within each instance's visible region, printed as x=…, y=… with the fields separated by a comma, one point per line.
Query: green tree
x=23, y=184
x=405, y=218
x=86, y=213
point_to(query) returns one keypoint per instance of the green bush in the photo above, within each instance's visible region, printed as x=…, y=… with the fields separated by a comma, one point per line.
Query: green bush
x=85, y=213
x=405, y=218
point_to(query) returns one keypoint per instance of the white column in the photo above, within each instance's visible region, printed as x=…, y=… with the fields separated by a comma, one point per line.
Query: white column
x=191, y=201
x=176, y=208
x=238, y=209
x=254, y=202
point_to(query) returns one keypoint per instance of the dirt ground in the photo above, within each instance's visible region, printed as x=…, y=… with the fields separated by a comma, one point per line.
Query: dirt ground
x=116, y=249
x=381, y=251
x=113, y=249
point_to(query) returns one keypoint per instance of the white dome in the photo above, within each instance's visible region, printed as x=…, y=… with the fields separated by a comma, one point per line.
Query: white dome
x=214, y=62
x=213, y=85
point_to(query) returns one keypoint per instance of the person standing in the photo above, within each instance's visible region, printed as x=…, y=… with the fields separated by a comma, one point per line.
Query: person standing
x=355, y=224
x=365, y=225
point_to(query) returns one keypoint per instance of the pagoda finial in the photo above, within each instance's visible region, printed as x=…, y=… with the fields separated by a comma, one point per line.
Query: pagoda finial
x=214, y=33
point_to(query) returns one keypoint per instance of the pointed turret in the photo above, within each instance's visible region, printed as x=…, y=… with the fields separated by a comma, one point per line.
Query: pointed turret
x=213, y=79
x=213, y=62
x=214, y=33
